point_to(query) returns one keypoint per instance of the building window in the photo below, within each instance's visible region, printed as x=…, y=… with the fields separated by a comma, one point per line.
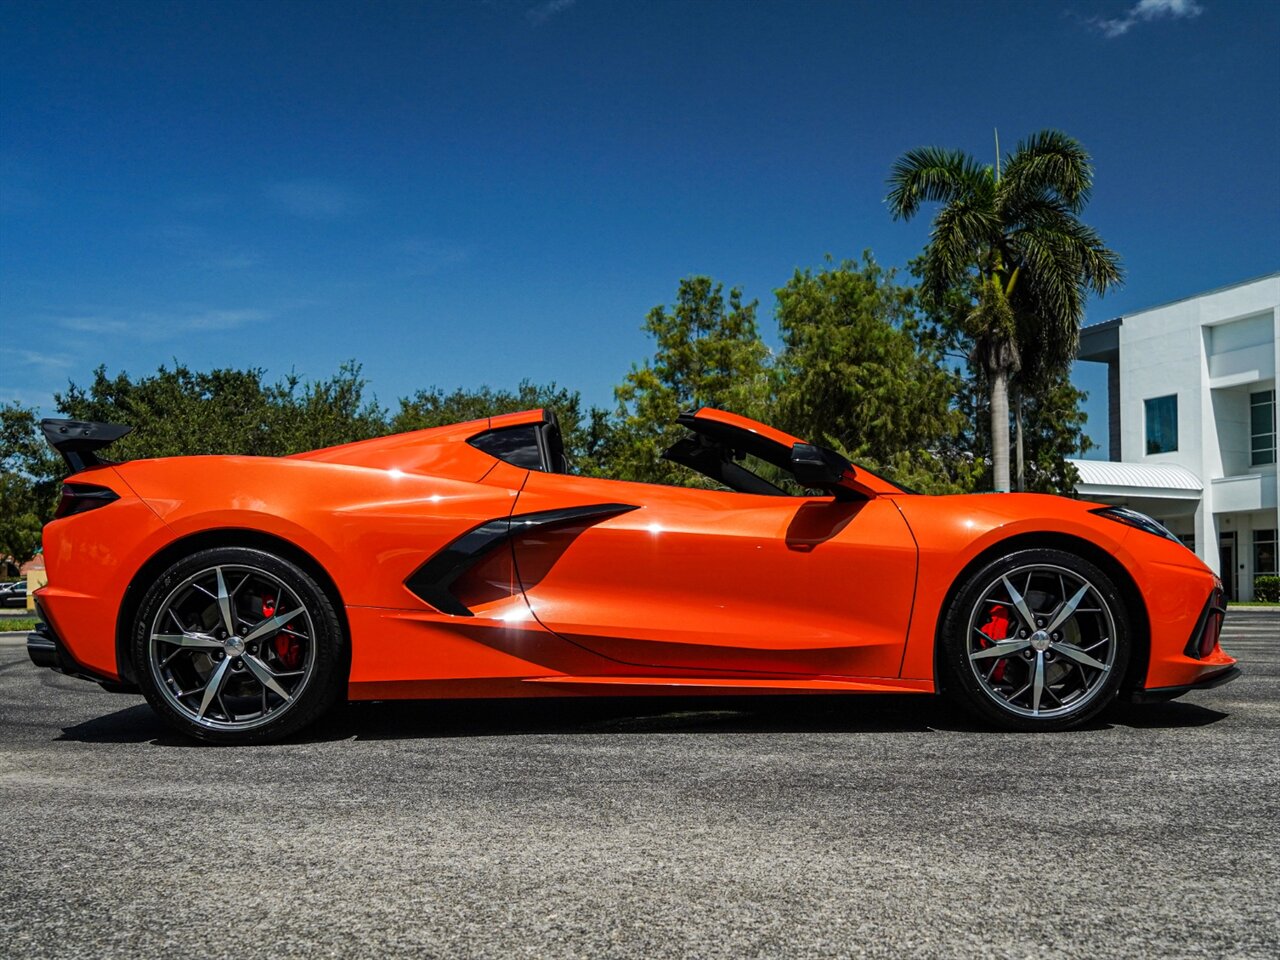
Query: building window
x=1262, y=424
x=1264, y=553
x=1162, y=424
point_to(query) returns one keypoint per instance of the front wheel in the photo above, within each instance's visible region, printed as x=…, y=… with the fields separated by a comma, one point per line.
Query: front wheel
x=237, y=645
x=1036, y=640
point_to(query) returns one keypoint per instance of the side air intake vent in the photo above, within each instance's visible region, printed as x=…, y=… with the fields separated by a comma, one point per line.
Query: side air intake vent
x=432, y=580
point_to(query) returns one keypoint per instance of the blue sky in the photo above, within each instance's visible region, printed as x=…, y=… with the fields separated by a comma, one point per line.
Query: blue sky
x=467, y=193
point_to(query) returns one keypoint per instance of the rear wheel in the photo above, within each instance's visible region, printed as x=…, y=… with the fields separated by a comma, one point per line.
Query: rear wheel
x=1036, y=640
x=237, y=645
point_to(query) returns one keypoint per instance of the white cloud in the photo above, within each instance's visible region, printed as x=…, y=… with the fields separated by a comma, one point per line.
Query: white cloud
x=149, y=325
x=542, y=12
x=221, y=319
x=315, y=199
x=34, y=358
x=1146, y=10
x=42, y=400
x=93, y=323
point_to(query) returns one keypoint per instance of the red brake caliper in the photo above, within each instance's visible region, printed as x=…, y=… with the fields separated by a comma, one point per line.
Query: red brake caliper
x=288, y=649
x=997, y=628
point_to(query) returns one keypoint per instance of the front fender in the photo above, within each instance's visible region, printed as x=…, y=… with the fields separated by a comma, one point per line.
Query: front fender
x=953, y=532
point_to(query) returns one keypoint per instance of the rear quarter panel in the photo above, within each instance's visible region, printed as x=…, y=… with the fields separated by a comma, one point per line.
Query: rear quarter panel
x=90, y=559
x=369, y=528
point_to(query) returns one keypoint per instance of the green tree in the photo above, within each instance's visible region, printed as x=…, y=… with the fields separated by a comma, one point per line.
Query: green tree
x=1053, y=428
x=28, y=485
x=1054, y=419
x=323, y=413
x=707, y=352
x=1011, y=235
x=854, y=374
x=181, y=412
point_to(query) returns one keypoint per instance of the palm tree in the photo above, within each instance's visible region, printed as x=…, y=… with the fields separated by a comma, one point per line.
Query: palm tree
x=1015, y=240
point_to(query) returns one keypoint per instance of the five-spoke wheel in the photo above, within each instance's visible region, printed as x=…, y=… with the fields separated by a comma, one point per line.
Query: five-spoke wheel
x=1036, y=640
x=235, y=644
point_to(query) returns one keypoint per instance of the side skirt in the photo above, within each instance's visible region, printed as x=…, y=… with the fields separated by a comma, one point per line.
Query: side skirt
x=754, y=685
x=567, y=686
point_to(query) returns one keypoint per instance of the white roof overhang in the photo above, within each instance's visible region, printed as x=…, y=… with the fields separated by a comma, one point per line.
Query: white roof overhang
x=1166, y=481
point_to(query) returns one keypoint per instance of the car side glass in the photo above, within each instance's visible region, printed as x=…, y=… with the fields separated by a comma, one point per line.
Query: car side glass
x=516, y=445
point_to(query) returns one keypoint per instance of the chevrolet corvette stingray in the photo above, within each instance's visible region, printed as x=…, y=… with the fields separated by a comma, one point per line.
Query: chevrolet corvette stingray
x=243, y=596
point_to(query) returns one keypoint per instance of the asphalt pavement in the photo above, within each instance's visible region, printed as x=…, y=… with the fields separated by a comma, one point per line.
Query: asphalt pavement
x=804, y=826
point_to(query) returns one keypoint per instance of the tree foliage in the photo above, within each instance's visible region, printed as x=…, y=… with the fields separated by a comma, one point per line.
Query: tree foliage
x=707, y=352
x=853, y=374
x=28, y=484
x=1054, y=421
x=180, y=411
x=1012, y=239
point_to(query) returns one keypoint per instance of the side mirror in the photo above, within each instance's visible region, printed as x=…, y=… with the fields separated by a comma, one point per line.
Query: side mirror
x=823, y=469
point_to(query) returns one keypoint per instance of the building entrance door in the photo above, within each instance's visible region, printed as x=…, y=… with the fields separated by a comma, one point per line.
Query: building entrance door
x=1227, y=562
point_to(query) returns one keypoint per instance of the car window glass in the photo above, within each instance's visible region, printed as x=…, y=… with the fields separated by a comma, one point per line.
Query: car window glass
x=516, y=445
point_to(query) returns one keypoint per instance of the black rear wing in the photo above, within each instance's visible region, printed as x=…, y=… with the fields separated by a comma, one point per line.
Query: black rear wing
x=78, y=441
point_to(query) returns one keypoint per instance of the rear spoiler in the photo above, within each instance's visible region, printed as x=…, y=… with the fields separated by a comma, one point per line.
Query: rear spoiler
x=78, y=440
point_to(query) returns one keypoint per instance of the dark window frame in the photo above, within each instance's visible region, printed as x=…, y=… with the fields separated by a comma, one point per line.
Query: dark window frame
x=542, y=448
x=1262, y=453
x=1164, y=438
x=1262, y=539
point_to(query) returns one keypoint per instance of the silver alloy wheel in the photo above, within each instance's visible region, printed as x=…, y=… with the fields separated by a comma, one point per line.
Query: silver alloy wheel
x=232, y=647
x=1058, y=644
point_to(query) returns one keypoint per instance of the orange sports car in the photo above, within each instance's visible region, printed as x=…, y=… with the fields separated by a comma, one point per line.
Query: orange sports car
x=243, y=596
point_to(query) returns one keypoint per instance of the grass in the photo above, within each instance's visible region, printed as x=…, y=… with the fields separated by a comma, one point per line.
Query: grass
x=1253, y=603
x=17, y=624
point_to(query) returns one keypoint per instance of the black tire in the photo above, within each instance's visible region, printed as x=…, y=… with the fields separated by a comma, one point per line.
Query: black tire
x=1103, y=637
x=319, y=637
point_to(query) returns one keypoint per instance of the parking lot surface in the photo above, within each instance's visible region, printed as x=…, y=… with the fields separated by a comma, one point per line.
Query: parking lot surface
x=813, y=826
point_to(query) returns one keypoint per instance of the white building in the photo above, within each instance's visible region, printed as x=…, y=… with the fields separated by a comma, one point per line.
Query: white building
x=1192, y=417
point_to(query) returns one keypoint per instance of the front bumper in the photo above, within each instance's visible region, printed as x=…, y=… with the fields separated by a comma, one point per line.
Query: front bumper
x=1161, y=694
x=46, y=649
x=1201, y=653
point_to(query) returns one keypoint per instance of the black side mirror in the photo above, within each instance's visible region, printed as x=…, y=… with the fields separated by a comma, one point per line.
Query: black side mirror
x=823, y=469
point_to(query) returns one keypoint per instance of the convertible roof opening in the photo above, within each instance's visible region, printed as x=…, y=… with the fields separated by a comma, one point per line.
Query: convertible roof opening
x=719, y=442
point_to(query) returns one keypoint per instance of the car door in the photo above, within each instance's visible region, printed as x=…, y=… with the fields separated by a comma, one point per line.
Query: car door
x=705, y=580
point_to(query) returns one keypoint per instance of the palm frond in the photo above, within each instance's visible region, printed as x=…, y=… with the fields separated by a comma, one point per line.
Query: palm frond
x=1049, y=161
x=963, y=231
x=1095, y=265
x=1051, y=266
x=1048, y=332
x=933, y=175
x=1063, y=260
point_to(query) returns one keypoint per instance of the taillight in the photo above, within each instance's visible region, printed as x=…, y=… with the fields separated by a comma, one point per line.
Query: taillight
x=82, y=497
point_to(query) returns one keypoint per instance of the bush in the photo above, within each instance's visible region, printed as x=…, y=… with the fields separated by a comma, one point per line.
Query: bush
x=1267, y=588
